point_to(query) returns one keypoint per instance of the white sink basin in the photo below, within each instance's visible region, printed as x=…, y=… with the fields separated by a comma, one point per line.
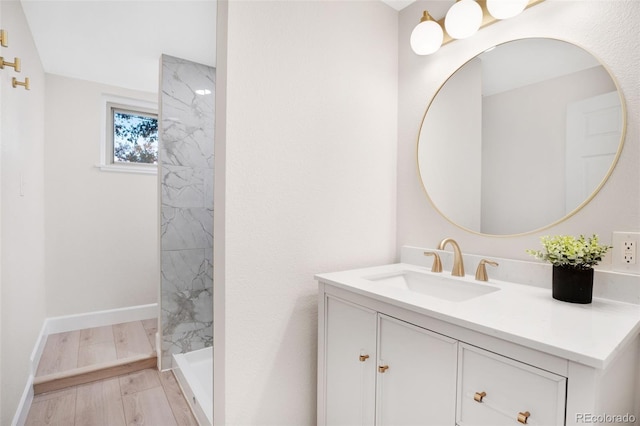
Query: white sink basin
x=445, y=287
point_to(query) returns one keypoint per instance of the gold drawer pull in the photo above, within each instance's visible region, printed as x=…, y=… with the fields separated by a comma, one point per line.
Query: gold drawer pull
x=383, y=368
x=522, y=417
x=479, y=395
x=363, y=358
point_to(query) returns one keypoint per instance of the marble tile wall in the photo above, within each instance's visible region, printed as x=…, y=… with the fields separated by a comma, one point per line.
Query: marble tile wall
x=185, y=164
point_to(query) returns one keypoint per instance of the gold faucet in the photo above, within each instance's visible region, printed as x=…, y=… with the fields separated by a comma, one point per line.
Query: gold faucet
x=437, y=265
x=458, y=265
x=481, y=272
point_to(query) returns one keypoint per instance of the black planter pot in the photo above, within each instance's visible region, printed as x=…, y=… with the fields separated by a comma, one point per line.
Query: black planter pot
x=572, y=285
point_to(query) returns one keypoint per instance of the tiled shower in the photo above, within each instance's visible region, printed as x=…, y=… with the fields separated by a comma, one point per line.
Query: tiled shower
x=185, y=175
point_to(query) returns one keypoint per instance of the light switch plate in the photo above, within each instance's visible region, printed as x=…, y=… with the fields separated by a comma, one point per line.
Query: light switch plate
x=624, y=255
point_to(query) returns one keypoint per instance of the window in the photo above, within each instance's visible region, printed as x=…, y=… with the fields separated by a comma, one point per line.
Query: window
x=130, y=141
x=135, y=137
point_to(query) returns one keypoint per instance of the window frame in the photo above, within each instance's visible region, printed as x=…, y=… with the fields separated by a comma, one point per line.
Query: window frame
x=109, y=104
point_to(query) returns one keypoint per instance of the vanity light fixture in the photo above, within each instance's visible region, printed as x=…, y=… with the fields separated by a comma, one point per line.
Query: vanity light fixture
x=427, y=36
x=203, y=92
x=462, y=20
x=505, y=9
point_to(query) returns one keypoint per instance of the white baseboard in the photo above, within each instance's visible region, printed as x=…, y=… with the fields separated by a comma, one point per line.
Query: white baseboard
x=66, y=323
x=20, y=418
x=100, y=318
x=38, y=348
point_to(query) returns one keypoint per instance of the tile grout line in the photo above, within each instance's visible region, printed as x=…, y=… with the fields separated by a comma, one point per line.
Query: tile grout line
x=78, y=351
x=75, y=400
x=165, y=390
x=75, y=406
x=115, y=340
x=115, y=346
x=124, y=411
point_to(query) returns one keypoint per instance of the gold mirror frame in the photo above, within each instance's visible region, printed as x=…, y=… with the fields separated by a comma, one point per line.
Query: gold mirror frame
x=623, y=111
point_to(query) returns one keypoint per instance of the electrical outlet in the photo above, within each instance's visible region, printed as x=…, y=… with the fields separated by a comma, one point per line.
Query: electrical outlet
x=629, y=252
x=625, y=252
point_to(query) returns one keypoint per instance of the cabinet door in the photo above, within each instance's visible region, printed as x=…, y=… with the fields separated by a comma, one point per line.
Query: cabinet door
x=418, y=387
x=350, y=363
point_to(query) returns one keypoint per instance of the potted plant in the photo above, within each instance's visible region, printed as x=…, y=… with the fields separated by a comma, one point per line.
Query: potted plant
x=573, y=260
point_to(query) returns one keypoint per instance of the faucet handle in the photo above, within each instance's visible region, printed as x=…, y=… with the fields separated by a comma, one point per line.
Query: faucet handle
x=437, y=264
x=481, y=272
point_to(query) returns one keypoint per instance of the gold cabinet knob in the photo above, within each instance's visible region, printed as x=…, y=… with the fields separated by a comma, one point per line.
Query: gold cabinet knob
x=479, y=395
x=522, y=417
x=363, y=358
x=383, y=368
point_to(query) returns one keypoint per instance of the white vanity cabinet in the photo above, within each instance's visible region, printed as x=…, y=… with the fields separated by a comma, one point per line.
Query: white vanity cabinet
x=383, y=371
x=385, y=360
x=416, y=375
x=350, y=357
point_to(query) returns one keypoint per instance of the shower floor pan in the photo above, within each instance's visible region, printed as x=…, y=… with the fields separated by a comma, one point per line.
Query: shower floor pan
x=194, y=371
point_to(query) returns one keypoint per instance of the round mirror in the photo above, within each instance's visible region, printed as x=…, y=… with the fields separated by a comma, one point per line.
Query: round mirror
x=520, y=137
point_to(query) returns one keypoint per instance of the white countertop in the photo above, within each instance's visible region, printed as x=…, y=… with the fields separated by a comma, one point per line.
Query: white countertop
x=590, y=334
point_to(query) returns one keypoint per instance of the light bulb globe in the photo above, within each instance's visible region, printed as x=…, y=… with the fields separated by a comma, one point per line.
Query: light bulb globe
x=426, y=38
x=505, y=9
x=463, y=19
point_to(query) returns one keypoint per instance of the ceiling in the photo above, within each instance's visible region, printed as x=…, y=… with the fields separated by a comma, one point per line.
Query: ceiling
x=119, y=42
x=398, y=4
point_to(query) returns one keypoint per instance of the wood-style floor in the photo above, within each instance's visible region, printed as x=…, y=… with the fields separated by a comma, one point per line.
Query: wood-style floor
x=82, y=348
x=146, y=397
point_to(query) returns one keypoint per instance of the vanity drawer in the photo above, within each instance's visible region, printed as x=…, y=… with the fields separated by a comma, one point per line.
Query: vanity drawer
x=494, y=390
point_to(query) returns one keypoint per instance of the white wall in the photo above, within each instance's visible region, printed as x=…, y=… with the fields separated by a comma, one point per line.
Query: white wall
x=99, y=250
x=310, y=187
x=512, y=200
x=22, y=214
x=101, y=227
x=606, y=28
x=445, y=149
